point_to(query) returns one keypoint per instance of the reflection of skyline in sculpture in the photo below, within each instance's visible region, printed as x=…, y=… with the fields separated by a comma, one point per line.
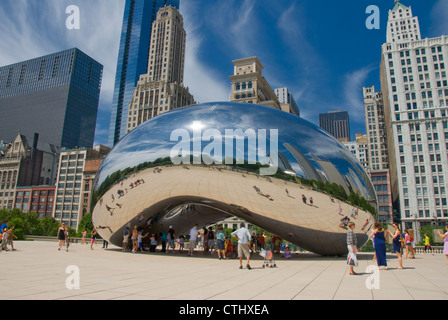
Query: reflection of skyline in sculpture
x=308, y=169
x=184, y=194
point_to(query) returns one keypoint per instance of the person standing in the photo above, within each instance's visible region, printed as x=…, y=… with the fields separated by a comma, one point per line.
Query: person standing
x=396, y=243
x=84, y=234
x=380, y=245
x=243, y=236
x=445, y=241
x=220, y=237
x=352, y=245
x=171, y=237
x=126, y=235
x=61, y=235
x=192, y=240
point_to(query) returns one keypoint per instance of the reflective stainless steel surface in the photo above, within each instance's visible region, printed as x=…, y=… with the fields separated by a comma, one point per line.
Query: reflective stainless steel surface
x=191, y=166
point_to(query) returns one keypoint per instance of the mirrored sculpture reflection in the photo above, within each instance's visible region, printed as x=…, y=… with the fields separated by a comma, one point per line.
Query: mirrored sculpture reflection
x=205, y=163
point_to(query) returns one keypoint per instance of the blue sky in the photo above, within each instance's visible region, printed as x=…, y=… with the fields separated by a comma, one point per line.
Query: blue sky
x=321, y=50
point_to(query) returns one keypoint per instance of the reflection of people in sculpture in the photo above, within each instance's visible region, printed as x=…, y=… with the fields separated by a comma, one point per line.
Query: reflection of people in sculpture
x=340, y=210
x=303, y=198
x=111, y=210
x=344, y=222
x=365, y=224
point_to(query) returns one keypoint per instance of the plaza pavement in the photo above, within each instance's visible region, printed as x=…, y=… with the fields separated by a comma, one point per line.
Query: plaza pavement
x=36, y=270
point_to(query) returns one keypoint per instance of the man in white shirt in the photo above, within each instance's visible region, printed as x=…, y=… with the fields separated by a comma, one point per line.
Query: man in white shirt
x=192, y=240
x=244, y=238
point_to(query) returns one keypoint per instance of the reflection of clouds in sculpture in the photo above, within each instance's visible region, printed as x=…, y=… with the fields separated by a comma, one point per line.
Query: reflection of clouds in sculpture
x=207, y=194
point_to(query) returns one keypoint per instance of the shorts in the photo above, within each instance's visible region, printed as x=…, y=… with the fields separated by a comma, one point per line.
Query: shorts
x=220, y=244
x=192, y=244
x=409, y=243
x=211, y=243
x=243, y=249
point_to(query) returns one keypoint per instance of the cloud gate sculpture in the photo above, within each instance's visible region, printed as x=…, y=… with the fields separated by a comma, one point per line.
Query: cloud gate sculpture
x=208, y=162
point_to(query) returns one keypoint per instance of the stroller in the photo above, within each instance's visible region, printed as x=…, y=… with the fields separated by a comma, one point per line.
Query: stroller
x=268, y=256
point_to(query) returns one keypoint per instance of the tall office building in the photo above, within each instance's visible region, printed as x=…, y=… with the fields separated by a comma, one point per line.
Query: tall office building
x=337, y=124
x=376, y=129
x=287, y=102
x=162, y=89
x=132, y=58
x=56, y=96
x=415, y=94
x=378, y=159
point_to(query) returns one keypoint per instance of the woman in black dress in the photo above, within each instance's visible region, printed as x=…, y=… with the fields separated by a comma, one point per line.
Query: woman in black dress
x=61, y=235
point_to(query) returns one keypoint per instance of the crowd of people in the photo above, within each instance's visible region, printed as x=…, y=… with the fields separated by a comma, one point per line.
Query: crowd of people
x=403, y=244
x=207, y=241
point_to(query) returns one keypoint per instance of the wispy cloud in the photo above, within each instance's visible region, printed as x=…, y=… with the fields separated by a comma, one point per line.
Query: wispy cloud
x=203, y=81
x=354, y=101
x=439, y=14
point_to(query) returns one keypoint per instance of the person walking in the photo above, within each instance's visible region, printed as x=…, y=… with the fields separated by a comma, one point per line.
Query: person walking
x=427, y=243
x=396, y=243
x=352, y=245
x=380, y=245
x=445, y=241
x=192, y=240
x=243, y=236
x=93, y=237
x=61, y=235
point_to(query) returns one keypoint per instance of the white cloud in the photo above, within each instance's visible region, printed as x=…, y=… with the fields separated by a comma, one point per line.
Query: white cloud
x=439, y=14
x=354, y=101
x=205, y=83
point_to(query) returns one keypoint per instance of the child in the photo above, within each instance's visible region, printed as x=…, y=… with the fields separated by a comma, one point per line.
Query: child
x=181, y=242
x=126, y=235
x=67, y=240
x=287, y=253
x=5, y=239
x=140, y=240
x=153, y=243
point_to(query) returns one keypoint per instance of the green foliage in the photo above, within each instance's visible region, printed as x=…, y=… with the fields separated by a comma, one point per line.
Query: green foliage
x=429, y=230
x=85, y=223
x=29, y=223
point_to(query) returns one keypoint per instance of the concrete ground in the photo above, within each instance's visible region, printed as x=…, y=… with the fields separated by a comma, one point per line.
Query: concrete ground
x=36, y=270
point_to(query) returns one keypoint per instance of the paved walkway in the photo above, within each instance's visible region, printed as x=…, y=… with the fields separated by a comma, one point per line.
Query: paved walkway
x=37, y=271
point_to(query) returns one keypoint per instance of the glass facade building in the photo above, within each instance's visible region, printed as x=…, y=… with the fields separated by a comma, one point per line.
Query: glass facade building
x=56, y=96
x=132, y=58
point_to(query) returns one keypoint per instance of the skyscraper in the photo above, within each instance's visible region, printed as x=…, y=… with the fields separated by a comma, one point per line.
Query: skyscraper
x=337, y=124
x=162, y=89
x=414, y=83
x=376, y=129
x=132, y=58
x=55, y=96
x=287, y=101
